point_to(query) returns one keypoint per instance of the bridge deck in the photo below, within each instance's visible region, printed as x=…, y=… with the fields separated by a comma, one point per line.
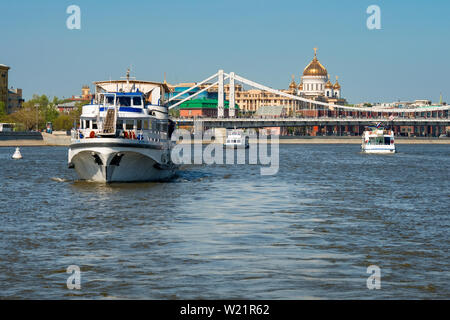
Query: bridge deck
x=298, y=122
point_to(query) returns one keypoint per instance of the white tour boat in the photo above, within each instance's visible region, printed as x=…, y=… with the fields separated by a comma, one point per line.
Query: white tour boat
x=124, y=134
x=236, y=139
x=378, y=140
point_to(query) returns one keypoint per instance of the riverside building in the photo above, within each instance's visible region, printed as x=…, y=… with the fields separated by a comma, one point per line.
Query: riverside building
x=4, y=84
x=12, y=98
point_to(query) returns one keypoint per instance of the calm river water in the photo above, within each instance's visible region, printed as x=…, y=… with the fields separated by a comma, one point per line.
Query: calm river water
x=225, y=232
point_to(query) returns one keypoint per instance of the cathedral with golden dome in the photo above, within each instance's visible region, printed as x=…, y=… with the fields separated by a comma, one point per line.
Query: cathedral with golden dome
x=316, y=84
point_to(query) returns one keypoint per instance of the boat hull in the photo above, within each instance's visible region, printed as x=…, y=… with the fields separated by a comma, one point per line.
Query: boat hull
x=236, y=146
x=375, y=150
x=119, y=163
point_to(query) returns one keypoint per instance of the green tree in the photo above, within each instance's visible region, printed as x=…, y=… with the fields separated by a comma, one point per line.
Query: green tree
x=2, y=111
x=63, y=122
x=40, y=109
x=56, y=101
x=42, y=100
x=28, y=116
x=51, y=113
x=34, y=111
x=175, y=113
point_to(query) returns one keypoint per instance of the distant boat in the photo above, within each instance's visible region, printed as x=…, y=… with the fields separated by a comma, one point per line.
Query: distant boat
x=236, y=139
x=17, y=155
x=378, y=140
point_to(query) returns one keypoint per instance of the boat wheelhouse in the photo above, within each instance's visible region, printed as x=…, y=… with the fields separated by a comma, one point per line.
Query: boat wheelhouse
x=124, y=134
x=377, y=139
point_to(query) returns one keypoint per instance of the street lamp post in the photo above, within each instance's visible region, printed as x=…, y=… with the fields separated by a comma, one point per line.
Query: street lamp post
x=37, y=116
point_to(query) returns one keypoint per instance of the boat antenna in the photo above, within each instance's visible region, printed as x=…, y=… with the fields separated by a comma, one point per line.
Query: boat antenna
x=127, y=77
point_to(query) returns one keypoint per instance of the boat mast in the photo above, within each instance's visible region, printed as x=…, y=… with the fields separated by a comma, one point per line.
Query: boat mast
x=127, y=77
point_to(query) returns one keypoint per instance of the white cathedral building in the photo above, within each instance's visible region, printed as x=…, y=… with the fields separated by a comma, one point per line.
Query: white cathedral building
x=316, y=84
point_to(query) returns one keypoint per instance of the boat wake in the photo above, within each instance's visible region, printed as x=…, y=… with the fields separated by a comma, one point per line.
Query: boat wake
x=60, y=179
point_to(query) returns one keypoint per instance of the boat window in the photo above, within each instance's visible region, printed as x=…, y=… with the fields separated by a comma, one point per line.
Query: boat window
x=94, y=125
x=119, y=124
x=129, y=125
x=146, y=126
x=387, y=140
x=137, y=101
x=109, y=100
x=124, y=101
x=379, y=141
x=139, y=124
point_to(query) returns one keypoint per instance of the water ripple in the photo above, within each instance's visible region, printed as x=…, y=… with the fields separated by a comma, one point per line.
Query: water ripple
x=217, y=232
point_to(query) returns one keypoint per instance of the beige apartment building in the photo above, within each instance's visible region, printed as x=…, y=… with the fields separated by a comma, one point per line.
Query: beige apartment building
x=251, y=100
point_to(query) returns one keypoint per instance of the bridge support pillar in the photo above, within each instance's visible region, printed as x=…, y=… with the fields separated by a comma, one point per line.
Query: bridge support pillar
x=220, y=102
x=198, y=127
x=231, y=110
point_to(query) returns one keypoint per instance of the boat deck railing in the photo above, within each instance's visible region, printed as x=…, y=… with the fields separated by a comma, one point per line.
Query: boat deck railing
x=139, y=135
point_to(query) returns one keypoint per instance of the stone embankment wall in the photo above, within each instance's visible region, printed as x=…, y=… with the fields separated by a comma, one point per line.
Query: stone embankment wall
x=19, y=139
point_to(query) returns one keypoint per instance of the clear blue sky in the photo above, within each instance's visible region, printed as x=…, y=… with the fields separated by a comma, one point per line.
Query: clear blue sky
x=266, y=41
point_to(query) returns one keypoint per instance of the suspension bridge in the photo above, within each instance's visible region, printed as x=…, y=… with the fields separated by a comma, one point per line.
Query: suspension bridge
x=332, y=117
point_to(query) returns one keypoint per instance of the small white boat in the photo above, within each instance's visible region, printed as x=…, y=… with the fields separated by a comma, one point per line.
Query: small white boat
x=236, y=139
x=17, y=155
x=378, y=140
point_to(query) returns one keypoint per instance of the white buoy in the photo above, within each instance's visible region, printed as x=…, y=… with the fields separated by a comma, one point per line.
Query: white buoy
x=17, y=155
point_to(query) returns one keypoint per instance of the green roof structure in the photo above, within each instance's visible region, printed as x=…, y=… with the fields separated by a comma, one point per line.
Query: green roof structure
x=204, y=103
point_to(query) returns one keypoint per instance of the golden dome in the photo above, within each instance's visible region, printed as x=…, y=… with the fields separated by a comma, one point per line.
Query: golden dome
x=329, y=85
x=293, y=85
x=337, y=85
x=300, y=86
x=315, y=68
